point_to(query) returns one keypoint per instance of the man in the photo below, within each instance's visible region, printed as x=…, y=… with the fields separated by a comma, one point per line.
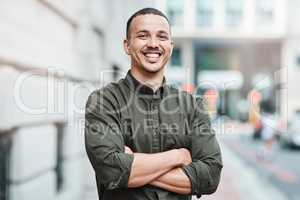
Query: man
x=145, y=139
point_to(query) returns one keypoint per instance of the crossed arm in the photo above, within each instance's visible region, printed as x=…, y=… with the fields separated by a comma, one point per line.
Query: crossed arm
x=105, y=148
x=104, y=145
x=161, y=169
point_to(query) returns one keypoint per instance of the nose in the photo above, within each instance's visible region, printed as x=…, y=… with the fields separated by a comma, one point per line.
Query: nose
x=152, y=42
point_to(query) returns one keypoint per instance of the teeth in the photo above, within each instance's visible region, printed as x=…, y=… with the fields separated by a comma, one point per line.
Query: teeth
x=152, y=55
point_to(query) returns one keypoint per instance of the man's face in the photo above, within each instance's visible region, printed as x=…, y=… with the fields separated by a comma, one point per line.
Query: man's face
x=149, y=43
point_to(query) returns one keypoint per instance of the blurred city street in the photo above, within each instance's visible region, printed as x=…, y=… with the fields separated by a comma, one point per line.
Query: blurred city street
x=247, y=175
x=276, y=171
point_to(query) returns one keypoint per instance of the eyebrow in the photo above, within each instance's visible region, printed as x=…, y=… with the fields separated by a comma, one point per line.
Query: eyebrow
x=142, y=31
x=163, y=32
x=146, y=31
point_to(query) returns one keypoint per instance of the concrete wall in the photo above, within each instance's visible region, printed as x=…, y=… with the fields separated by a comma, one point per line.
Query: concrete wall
x=53, y=54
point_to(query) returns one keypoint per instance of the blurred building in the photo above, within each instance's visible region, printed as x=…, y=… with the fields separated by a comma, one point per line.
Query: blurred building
x=290, y=72
x=52, y=55
x=223, y=39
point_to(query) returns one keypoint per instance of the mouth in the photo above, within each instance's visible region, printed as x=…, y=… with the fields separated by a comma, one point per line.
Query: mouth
x=152, y=57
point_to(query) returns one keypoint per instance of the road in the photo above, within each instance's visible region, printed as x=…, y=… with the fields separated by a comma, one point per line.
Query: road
x=282, y=170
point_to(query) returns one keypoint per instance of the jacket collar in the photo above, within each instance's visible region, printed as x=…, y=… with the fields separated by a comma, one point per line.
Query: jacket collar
x=144, y=90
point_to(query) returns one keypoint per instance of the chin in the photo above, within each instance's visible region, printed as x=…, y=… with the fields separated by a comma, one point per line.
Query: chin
x=153, y=68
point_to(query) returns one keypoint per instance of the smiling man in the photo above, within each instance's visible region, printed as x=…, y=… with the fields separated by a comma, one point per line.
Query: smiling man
x=145, y=139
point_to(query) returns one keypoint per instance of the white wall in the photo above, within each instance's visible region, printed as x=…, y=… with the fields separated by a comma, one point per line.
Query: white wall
x=30, y=33
x=76, y=40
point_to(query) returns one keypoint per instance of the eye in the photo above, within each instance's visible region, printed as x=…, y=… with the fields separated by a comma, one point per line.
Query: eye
x=163, y=37
x=142, y=36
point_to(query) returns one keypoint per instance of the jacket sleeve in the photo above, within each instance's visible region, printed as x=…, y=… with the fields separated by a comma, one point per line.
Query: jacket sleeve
x=104, y=141
x=205, y=170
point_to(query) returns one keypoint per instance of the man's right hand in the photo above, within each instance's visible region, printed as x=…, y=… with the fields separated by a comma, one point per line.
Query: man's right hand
x=128, y=150
x=185, y=156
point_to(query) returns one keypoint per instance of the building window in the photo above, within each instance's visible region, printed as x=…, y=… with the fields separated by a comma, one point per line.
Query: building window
x=5, y=150
x=298, y=61
x=264, y=11
x=176, y=58
x=59, y=157
x=204, y=12
x=212, y=58
x=234, y=12
x=175, y=11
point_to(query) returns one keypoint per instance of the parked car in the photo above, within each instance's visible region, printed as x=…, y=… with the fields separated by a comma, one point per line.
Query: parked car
x=291, y=137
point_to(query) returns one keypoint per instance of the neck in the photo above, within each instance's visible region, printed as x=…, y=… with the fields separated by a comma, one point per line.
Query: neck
x=153, y=80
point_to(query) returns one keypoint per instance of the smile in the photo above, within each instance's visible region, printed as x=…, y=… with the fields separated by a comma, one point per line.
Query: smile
x=152, y=56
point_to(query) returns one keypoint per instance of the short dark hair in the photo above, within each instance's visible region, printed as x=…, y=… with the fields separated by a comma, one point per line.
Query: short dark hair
x=144, y=11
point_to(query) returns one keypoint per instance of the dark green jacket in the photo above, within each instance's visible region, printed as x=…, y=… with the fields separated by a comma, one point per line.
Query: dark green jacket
x=130, y=113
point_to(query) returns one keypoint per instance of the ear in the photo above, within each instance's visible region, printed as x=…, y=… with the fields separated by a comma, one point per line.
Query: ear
x=126, y=46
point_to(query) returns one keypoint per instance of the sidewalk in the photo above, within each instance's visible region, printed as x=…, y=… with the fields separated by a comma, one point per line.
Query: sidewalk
x=240, y=182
